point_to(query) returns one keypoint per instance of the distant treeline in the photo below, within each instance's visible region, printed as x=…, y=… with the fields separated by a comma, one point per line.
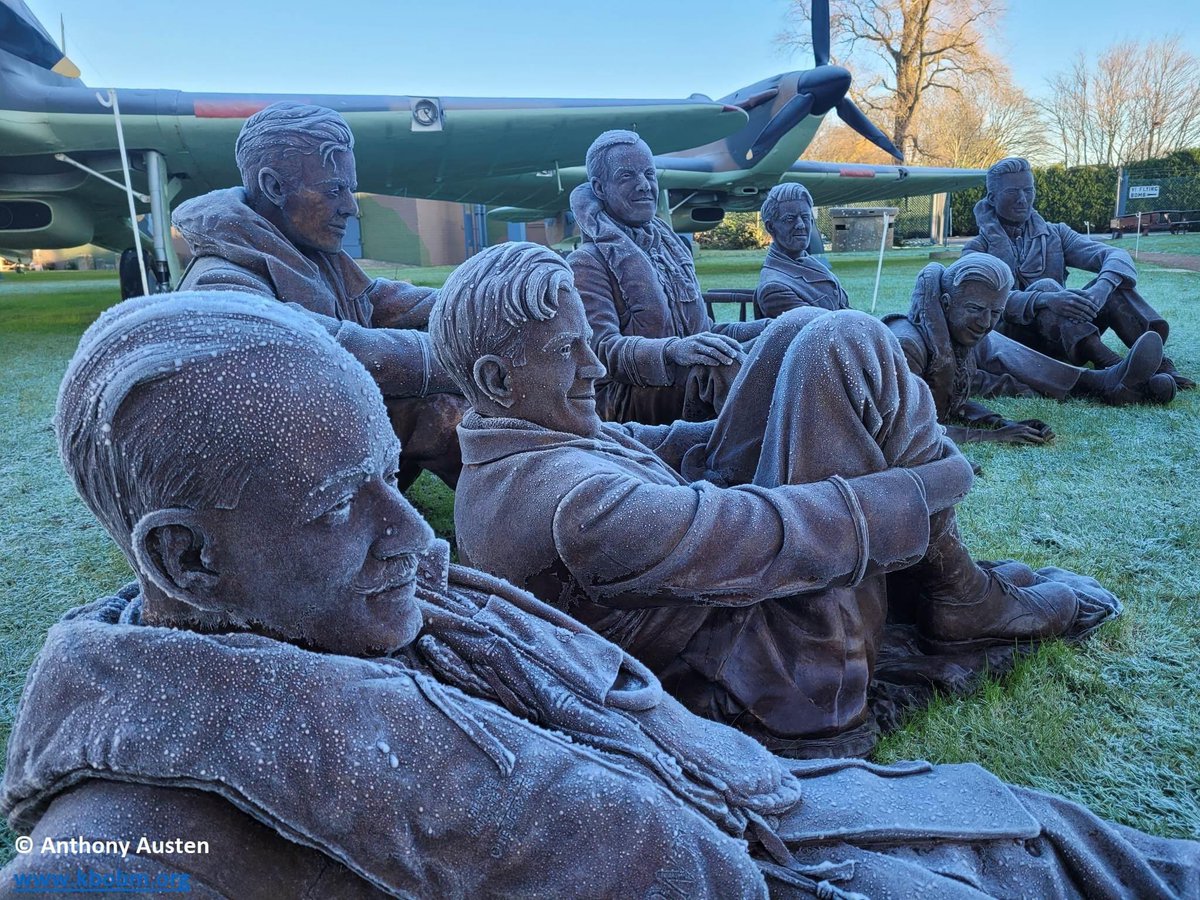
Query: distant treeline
x=1089, y=193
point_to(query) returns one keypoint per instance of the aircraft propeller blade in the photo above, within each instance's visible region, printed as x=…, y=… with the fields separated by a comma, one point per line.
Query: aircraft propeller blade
x=789, y=116
x=21, y=39
x=857, y=119
x=820, y=32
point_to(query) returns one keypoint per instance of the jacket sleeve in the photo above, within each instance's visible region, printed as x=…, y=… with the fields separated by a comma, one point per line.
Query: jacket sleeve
x=1081, y=253
x=741, y=331
x=400, y=360
x=396, y=304
x=630, y=359
x=633, y=544
x=670, y=442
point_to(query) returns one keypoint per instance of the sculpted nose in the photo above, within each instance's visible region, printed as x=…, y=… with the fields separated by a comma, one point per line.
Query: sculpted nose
x=588, y=365
x=402, y=531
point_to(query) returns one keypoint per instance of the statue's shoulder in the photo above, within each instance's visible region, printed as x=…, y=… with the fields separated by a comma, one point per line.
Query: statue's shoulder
x=218, y=273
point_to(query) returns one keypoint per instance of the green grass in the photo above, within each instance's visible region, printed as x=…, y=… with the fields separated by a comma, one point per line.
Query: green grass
x=1114, y=723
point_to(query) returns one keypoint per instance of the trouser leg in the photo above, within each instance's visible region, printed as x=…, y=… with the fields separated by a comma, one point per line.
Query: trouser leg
x=820, y=394
x=427, y=429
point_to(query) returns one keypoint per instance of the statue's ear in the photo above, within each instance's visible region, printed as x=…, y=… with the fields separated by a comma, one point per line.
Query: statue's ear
x=491, y=376
x=598, y=188
x=270, y=185
x=173, y=549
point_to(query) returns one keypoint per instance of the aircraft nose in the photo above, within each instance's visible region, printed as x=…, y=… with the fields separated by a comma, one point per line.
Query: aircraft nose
x=827, y=84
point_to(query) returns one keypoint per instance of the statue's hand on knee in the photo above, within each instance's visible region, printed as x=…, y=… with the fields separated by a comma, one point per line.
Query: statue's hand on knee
x=704, y=349
x=1069, y=304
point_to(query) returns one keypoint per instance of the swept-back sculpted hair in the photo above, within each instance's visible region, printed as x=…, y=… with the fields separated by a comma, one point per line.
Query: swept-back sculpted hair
x=979, y=267
x=486, y=302
x=1006, y=166
x=170, y=401
x=284, y=130
x=596, y=162
x=782, y=193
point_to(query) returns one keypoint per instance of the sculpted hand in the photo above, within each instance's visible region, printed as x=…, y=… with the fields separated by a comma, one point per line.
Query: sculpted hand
x=705, y=349
x=1030, y=431
x=1098, y=293
x=1068, y=304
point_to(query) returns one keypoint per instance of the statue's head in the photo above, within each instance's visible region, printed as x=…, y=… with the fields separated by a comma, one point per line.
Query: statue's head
x=620, y=168
x=245, y=464
x=511, y=330
x=297, y=166
x=1010, y=188
x=787, y=214
x=974, y=291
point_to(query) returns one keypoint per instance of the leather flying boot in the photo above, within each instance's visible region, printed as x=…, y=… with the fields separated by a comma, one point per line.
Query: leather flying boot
x=1130, y=381
x=966, y=606
x=1182, y=382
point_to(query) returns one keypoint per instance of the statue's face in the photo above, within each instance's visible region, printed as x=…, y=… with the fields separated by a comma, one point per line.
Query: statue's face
x=1013, y=196
x=973, y=310
x=556, y=387
x=319, y=200
x=791, y=226
x=629, y=190
x=321, y=549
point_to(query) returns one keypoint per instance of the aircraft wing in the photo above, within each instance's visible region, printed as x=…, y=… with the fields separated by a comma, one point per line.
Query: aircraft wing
x=832, y=184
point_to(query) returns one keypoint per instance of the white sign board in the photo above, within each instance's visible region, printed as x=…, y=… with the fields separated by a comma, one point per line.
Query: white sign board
x=1143, y=192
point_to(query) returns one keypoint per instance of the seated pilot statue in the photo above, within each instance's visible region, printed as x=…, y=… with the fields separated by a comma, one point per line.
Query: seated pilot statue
x=948, y=340
x=664, y=356
x=741, y=559
x=1042, y=312
x=300, y=681
x=280, y=235
x=790, y=275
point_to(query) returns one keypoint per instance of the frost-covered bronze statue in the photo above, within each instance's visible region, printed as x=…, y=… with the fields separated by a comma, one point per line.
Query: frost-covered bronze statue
x=741, y=559
x=280, y=235
x=1042, y=312
x=665, y=357
x=948, y=340
x=790, y=276
x=299, y=680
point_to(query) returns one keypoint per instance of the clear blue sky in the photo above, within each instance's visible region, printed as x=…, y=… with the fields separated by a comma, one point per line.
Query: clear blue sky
x=612, y=48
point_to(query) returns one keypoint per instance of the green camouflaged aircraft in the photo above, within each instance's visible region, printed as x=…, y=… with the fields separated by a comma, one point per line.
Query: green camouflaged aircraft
x=61, y=160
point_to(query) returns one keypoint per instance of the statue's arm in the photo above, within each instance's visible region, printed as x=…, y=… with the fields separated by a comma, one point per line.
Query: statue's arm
x=774, y=299
x=670, y=442
x=400, y=360
x=1111, y=263
x=633, y=544
x=631, y=359
x=396, y=304
x=741, y=331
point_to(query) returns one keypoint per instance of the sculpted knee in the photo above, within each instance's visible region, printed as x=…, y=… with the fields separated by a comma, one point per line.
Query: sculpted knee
x=1045, y=284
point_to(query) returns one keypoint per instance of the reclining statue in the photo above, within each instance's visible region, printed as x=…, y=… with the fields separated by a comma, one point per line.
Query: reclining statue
x=791, y=276
x=1043, y=312
x=299, y=697
x=948, y=340
x=741, y=559
x=280, y=235
x=665, y=357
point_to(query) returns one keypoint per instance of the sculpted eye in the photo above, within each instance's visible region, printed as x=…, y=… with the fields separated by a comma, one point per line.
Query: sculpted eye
x=338, y=514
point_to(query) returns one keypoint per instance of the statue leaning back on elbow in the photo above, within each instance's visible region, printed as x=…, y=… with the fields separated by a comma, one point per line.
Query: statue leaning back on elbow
x=300, y=680
x=1042, y=312
x=742, y=559
x=280, y=235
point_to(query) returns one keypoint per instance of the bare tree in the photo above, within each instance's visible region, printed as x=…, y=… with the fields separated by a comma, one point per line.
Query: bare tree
x=1137, y=100
x=924, y=45
x=975, y=128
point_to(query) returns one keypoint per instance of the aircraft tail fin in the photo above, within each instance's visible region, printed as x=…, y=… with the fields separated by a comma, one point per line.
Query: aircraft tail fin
x=23, y=37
